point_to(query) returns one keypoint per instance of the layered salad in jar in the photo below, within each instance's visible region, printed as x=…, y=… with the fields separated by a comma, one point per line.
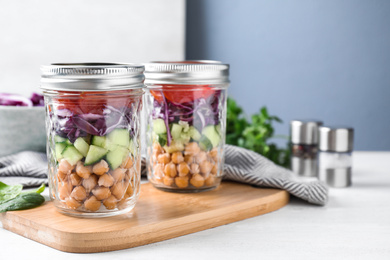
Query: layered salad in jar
x=186, y=136
x=94, y=158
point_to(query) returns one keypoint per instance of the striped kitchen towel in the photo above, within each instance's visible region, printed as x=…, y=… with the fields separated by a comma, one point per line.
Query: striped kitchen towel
x=248, y=167
x=241, y=165
x=26, y=168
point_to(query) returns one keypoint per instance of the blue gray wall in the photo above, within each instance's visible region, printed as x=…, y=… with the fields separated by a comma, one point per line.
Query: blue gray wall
x=325, y=59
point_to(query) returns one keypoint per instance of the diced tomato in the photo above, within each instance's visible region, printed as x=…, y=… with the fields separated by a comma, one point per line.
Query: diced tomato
x=94, y=102
x=183, y=93
x=67, y=102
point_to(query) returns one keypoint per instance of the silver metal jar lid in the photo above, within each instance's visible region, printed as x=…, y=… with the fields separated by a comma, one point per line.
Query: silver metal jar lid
x=187, y=72
x=336, y=139
x=92, y=76
x=304, y=131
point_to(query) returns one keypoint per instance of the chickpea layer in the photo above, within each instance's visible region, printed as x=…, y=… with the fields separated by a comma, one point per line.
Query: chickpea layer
x=191, y=168
x=96, y=187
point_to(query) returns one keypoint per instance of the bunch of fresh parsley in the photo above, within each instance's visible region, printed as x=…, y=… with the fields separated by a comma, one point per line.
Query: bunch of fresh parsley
x=255, y=134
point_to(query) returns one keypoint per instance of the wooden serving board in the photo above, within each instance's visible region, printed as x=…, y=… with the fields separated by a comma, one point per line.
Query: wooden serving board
x=157, y=216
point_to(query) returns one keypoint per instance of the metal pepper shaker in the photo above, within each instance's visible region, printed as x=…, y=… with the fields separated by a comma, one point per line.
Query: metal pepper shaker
x=335, y=155
x=304, y=147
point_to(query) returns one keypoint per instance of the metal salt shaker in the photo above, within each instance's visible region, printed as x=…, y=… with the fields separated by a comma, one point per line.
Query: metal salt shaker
x=335, y=155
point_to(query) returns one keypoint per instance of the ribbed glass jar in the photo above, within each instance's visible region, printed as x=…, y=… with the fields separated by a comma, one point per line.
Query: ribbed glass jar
x=93, y=133
x=186, y=117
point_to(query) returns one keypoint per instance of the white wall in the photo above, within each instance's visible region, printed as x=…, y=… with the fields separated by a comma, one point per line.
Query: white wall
x=36, y=32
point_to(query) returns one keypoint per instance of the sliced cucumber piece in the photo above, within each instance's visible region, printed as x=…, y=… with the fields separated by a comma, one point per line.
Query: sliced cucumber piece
x=119, y=137
x=159, y=126
x=95, y=154
x=59, y=148
x=185, y=137
x=211, y=133
x=176, y=131
x=72, y=155
x=99, y=140
x=82, y=146
x=115, y=158
x=59, y=139
x=194, y=133
x=68, y=142
x=110, y=145
x=205, y=144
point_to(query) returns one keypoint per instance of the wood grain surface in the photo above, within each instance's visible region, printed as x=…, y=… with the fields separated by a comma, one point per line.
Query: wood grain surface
x=157, y=216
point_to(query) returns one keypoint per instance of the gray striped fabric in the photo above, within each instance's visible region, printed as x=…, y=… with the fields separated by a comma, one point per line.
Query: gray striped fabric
x=241, y=165
x=248, y=167
x=26, y=168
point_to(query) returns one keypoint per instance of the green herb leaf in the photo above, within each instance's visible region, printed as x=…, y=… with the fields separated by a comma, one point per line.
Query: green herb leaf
x=8, y=192
x=23, y=201
x=256, y=134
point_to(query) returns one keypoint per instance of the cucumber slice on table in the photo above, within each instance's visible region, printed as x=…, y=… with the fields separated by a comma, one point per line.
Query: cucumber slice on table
x=59, y=148
x=119, y=137
x=176, y=131
x=159, y=126
x=82, y=146
x=95, y=154
x=115, y=158
x=212, y=134
x=72, y=155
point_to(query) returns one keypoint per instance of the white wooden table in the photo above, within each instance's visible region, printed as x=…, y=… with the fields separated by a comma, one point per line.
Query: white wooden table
x=355, y=224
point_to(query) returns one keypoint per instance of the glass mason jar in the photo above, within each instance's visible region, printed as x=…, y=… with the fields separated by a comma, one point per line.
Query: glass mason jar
x=186, y=116
x=92, y=125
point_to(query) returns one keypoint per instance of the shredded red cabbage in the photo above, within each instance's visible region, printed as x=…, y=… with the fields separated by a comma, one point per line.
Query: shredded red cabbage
x=198, y=113
x=7, y=99
x=71, y=126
